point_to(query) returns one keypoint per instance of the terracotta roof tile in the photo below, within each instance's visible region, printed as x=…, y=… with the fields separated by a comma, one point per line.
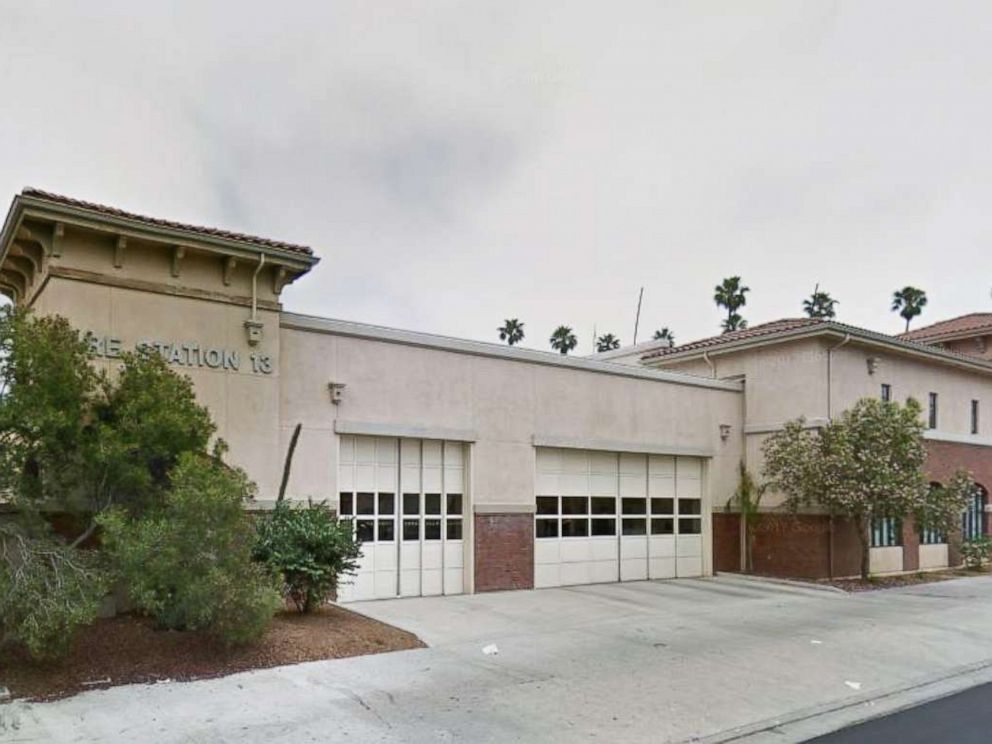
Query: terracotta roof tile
x=963, y=324
x=764, y=329
x=211, y=231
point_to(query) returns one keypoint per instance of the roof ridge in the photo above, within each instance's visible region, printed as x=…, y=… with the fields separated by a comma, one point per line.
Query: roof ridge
x=36, y=193
x=957, y=324
x=759, y=330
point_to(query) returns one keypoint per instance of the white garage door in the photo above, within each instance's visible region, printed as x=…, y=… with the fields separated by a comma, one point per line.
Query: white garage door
x=606, y=516
x=406, y=500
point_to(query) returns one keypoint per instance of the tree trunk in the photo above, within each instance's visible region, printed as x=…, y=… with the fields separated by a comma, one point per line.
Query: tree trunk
x=748, y=547
x=865, y=552
x=289, y=462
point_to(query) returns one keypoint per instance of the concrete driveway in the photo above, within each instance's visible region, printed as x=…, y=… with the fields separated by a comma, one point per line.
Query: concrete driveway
x=715, y=659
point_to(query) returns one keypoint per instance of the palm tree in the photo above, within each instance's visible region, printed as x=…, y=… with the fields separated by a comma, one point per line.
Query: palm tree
x=665, y=335
x=563, y=340
x=512, y=331
x=909, y=301
x=730, y=294
x=820, y=304
x=607, y=342
x=733, y=322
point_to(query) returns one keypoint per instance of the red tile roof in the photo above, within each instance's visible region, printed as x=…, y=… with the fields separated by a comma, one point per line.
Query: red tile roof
x=211, y=231
x=971, y=324
x=764, y=329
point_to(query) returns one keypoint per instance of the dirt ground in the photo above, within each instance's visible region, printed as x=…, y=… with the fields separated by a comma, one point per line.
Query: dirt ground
x=888, y=582
x=127, y=649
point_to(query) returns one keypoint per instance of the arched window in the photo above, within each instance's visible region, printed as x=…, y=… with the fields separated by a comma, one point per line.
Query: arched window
x=973, y=521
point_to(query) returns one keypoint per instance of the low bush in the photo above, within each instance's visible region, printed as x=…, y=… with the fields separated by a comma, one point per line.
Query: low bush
x=48, y=590
x=188, y=563
x=976, y=552
x=309, y=548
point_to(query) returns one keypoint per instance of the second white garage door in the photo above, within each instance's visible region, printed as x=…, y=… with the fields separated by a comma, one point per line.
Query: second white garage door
x=607, y=516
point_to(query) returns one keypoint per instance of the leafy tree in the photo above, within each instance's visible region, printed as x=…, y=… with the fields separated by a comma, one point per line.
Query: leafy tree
x=664, y=334
x=563, y=340
x=512, y=331
x=909, y=302
x=78, y=441
x=47, y=590
x=943, y=506
x=864, y=465
x=820, y=304
x=976, y=552
x=731, y=295
x=309, y=548
x=747, y=500
x=607, y=342
x=187, y=561
x=47, y=395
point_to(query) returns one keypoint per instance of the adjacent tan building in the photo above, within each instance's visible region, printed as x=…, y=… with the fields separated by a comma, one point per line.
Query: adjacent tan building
x=469, y=466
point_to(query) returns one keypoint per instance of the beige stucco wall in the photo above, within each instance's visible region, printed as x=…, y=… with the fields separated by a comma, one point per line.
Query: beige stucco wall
x=504, y=403
x=788, y=380
x=914, y=378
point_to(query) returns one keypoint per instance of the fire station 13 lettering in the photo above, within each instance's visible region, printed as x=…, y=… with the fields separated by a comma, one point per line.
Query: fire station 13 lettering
x=183, y=354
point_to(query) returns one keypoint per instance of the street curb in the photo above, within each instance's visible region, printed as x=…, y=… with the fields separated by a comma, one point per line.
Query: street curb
x=803, y=725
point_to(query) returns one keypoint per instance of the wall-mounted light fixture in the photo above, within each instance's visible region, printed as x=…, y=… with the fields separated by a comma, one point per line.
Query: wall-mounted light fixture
x=724, y=432
x=336, y=390
x=872, y=363
x=253, y=329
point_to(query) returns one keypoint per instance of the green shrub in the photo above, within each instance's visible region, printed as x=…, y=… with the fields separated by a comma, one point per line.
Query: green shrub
x=309, y=548
x=47, y=591
x=976, y=552
x=188, y=562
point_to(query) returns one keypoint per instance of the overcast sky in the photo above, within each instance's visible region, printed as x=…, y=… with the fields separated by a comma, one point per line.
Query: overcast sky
x=457, y=163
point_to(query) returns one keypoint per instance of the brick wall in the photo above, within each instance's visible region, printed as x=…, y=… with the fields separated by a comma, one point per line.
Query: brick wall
x=798, y=546
x=943, y=458
x=504, y=552
x=726, y=542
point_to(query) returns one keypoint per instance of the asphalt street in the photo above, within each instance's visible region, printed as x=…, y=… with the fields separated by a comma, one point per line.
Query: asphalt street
x=965, y=718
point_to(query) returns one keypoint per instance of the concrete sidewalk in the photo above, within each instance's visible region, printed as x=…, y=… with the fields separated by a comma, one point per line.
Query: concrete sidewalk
x=716, y=659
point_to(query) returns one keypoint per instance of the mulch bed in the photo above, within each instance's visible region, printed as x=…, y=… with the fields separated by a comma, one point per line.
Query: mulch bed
x=890, y=582
x=128, y=649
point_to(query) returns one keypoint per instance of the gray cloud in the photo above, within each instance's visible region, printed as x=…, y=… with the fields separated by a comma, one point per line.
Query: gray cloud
x=458, y=163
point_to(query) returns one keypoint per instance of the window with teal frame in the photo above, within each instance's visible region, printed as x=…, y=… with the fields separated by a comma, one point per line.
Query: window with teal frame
x=886, y=532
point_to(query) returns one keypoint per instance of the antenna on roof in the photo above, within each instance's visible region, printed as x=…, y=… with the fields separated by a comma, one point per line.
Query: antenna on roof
x=637, y=318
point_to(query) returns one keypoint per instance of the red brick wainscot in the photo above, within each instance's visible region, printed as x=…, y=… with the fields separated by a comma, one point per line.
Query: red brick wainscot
x=504, y=552
x=726, y=542
x=790, y=545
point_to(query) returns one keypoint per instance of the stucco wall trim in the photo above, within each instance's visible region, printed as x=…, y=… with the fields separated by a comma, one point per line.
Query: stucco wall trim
x=399, y=430
x=941, y=436
x=479, y=348
x=811, y=423
x=609, y=445
x=503, y=508
x=141, y=285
